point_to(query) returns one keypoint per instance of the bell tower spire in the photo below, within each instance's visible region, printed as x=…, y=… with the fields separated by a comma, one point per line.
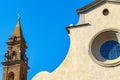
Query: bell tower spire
x=18, y=30
x=15, y=60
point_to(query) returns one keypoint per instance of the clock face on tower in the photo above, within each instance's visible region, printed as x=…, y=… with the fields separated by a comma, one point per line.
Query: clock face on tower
x=104, y=48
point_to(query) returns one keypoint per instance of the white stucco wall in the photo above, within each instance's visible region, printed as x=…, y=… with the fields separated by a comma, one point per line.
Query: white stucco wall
x=78, y=64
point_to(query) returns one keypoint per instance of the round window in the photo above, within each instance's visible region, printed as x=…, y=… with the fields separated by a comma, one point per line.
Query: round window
x=105, y=48
x=110, y=50
x=105, y=12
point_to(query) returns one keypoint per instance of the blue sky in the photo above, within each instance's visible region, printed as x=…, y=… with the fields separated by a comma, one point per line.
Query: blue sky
x=43, y=24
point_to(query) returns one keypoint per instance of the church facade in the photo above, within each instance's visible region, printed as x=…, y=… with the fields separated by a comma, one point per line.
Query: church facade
x=94, y=52
x=15, y=65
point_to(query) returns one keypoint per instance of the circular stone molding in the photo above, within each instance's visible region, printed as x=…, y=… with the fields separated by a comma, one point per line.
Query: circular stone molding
x=99, y=40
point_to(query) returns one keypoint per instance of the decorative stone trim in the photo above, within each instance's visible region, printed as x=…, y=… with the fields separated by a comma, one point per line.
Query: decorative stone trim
x=97, y=41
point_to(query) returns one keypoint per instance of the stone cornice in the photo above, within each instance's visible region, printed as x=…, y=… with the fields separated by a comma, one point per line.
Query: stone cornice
x=76, y=26
x=94, y=4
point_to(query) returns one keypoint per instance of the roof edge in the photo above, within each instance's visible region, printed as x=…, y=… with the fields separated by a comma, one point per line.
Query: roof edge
x=94, y=4
x=90, y=6
x=81, y=25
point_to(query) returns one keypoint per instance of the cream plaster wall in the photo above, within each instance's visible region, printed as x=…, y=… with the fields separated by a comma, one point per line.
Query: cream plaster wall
x=78, y=65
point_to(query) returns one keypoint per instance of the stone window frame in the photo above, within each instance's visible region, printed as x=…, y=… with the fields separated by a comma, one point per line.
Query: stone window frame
x=11, y=76
x=106, y=63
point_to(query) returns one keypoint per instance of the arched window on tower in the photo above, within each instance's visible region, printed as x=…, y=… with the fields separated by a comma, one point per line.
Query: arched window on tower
x=14, y=39
x=11, y=76
x=13, y=55
x=6, y=56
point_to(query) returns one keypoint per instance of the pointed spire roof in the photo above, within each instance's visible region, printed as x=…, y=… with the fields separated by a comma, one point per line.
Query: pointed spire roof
x=18, y=31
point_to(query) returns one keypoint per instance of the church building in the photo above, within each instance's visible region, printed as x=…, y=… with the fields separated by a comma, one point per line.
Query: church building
x=15, y=65
x=94, y=52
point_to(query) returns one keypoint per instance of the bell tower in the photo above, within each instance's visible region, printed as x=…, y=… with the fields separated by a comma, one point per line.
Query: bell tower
x=15, y=65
